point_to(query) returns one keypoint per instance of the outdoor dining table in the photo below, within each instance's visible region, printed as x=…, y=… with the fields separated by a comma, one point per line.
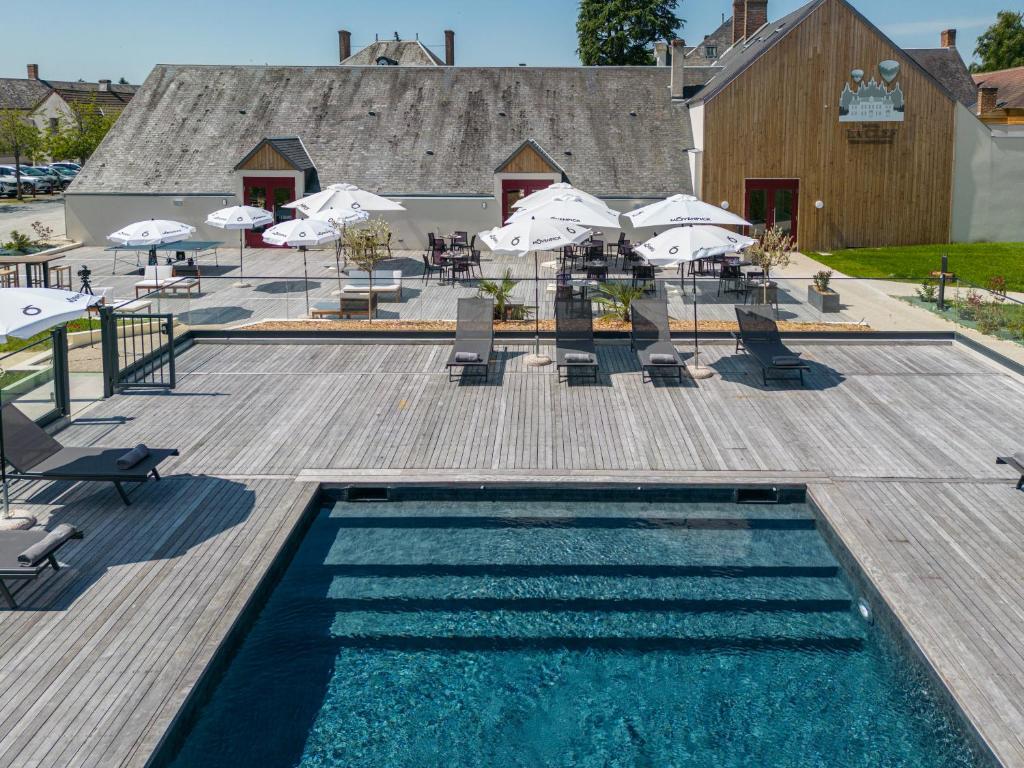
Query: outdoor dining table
x=37, y=266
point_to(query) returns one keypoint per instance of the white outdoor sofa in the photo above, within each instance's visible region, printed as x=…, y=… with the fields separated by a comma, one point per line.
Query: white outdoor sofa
x=161, y=278
x=384, y=281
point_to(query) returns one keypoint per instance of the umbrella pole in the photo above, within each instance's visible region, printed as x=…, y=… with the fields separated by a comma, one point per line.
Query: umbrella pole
x=3, y=466
x=305, y=277
x=697, y=372
x=536, y=303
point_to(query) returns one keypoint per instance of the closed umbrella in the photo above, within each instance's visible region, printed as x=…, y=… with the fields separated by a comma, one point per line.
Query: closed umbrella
x=340, y=218
x=240, y=217
x=152, y=233
x=24, y=312
x=682, y=210
x=301, y=234
x=683, y=244
x=344, y=196
x=534, y=234
x=542, y=196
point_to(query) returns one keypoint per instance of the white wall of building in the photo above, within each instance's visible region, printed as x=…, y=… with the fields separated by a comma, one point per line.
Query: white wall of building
x=988, y=183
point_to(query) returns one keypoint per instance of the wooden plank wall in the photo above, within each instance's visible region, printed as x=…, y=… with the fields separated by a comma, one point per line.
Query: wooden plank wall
x=527, y=160
x=780, y=119
x=267, y=159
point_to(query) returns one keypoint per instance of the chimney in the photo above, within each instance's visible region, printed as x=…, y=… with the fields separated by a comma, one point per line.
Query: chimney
x=33, y=71
x=104, y=85
x=449, y=48
x=988, y=100
x=739, y=20
x=756, y=16
x=948, y=38
x=661, y=53
x=344, y=44
x=678, y=73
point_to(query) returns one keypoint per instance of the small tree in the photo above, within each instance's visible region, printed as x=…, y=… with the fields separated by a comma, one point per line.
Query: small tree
x=1001, y=46
x=772, y=250
x=19, y=137
x=78, y=136
x=501, y=292
x=622, y=32
x=365, y=246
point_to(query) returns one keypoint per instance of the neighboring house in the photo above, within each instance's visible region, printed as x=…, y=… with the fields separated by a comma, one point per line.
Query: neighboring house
x=395, y=53
x=49, y=102
x=999, y=100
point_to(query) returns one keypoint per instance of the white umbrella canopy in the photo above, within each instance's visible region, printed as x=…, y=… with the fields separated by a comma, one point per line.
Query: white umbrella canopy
x=533, y=234
x=542, y=196
x=690, y=244
x=24, y=312
x=344, y=196
x=240, y=217
x=680, y=210
x=340, y=217
x=151, y=232
x=301, y=233
x=571, y=209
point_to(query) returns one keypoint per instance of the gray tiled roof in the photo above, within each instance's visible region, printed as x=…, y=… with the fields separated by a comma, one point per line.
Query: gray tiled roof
x=21, y=93
x=946, y=66
x=1010, y=83
x=26, y=93
x=408, y=53
x=188, y=126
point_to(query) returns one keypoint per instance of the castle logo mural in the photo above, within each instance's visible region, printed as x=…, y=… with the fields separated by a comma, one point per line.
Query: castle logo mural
x=873, y=101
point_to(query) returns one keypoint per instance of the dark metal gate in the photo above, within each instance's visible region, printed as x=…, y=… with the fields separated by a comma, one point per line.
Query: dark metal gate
x=138, y=350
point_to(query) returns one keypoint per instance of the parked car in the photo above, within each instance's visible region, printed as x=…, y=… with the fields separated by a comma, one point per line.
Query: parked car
x=60, y=176
x=30, y=183
x=43, y=172
x=8, y=186
x=68, y=165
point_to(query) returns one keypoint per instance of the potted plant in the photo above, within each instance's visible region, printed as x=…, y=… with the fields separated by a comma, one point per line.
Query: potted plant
x=772, y=250
x=820, y=296
x=617, y=298
x=501, y=292
x=363, y=246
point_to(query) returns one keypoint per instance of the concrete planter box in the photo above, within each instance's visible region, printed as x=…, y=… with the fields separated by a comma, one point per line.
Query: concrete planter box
x=823, y=302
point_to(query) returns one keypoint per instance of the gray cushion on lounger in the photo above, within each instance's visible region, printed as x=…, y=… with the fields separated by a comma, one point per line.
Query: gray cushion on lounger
x=785, y=361
x=133, y=457
x=660, y=359
x=42, y=548
x=578, y=357
x=467, y=357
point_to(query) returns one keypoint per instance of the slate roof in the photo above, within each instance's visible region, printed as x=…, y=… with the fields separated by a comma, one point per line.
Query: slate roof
x=1010, y=83
x=947, y=66
x=21, y=93
x=408, y=53
x=188, y=126
x=26, y=93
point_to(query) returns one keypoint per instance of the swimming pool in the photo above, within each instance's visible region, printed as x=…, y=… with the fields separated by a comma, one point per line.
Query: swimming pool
x=610, y=631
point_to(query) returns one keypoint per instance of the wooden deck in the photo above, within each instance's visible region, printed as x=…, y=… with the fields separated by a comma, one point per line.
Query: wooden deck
x=896, y=442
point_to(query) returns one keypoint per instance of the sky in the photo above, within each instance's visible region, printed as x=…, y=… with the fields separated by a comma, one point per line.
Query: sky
x=125, y=38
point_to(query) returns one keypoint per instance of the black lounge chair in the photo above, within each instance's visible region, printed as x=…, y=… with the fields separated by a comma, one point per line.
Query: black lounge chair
x=1016, y=462
x=24, y=555
x=651, y=339
x=574, y=338
x=474, y=337
x=35, y=455
x=759, y=337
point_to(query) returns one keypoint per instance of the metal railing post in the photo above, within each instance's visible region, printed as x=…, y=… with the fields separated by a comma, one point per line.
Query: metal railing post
x=108, y=350
x=61, y=370
x=942, y=282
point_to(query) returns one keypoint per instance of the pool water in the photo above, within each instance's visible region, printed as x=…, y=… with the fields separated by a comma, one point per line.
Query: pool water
x=532, y=633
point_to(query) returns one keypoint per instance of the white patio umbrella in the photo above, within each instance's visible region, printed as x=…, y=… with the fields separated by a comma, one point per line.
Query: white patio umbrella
x=542, y=196
x=340, y=219
x=681, y=210
x=684, y=244
x=24, y=312
x=301, y=234
x=569, y=208
x=344, y=196
x=534, y=234
x=152, y=233
x=240, y=217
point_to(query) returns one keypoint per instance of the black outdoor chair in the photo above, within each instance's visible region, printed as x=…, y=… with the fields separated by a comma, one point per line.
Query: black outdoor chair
x=651, y=338
x=24, y=555
x=35, y=455
x=643, y=276
x=574, y=338
x=474, y=338
x=759, y=337
x=615, y=249
x=429, y=268
x=1015, y=462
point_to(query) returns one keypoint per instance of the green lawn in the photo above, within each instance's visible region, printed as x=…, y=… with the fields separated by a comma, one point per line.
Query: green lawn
x=75, y=325
x=976, y=263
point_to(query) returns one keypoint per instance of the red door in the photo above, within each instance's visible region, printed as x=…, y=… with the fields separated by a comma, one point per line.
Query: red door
x=270, y=193
x=772, y=203
x=513, y=190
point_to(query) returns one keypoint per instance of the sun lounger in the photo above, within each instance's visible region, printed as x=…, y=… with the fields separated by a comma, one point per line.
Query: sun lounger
x=24, y=555
x=35, y=455
x=384, y=281
x=759, y=337
x=1016, y=462
x=161, y=279
x=574, y=338
x=651, y=339
x=474, y=337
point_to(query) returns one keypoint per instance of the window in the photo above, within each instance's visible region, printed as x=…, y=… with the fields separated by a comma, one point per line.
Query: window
x=54, y=124
x=710, y=51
